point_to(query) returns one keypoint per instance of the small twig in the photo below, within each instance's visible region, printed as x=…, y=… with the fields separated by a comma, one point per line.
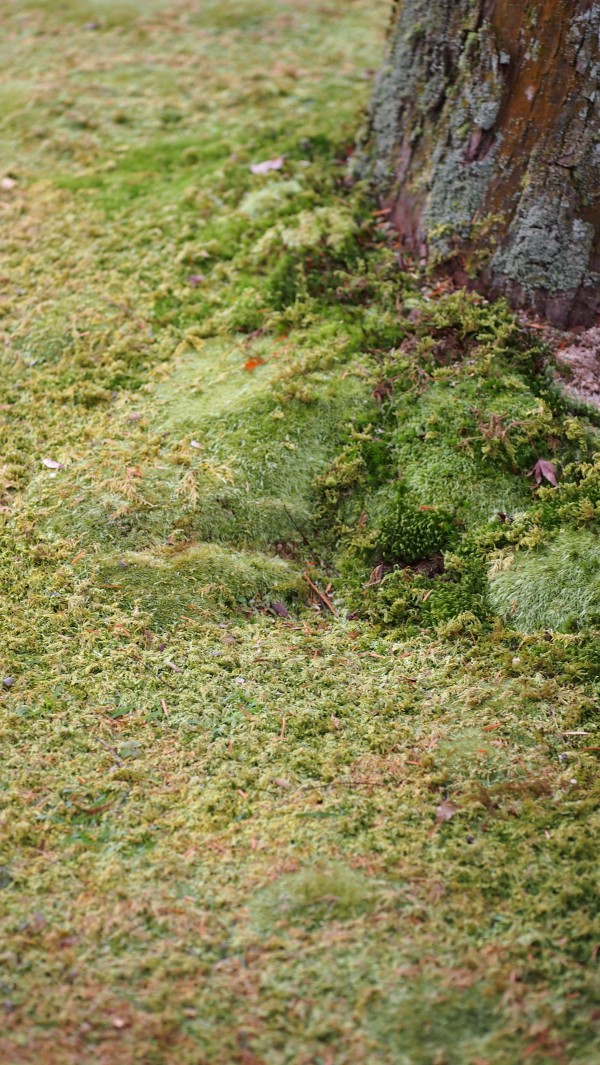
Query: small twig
x=298, y=529
x=321, y=595
x=352, y=784
x=91, y=811
x=112, y=750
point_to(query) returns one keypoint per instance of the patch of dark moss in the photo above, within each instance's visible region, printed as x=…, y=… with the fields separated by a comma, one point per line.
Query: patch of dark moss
x=410, y=532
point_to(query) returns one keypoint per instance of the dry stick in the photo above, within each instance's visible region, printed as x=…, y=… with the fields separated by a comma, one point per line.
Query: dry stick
x=112, y=750
x=352, y=784
x=321, y=595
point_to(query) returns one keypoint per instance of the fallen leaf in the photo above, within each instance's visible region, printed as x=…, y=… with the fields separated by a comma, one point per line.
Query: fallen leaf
x=544, y=470
x=280, y=610
x=196, y=279
x=445, y=811
x=119, y=1022
x=195, y=443
x=52, y=464
x=251, y=363
x=281, y=782
x=376, y=576
x=267, y=165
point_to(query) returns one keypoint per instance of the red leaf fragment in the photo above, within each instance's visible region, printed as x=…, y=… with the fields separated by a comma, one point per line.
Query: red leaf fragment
x=544, y=470
x=251, y=363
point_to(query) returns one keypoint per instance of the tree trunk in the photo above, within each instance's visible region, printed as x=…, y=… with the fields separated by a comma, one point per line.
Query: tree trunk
x=484, y=140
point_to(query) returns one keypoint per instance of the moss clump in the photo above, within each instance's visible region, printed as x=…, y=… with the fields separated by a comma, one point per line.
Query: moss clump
x=409, y=532
x=556, y=586
x=449, y=587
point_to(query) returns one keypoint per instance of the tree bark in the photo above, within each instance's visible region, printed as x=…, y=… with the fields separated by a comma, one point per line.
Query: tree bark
x=484, y=141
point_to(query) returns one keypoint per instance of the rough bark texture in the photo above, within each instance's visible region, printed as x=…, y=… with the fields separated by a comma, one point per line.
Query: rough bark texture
x=484, y=138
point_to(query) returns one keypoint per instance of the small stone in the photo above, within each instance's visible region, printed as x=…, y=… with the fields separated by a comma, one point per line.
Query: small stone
x=8, y=682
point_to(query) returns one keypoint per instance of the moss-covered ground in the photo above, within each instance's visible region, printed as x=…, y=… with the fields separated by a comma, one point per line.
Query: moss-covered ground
x=299, y=731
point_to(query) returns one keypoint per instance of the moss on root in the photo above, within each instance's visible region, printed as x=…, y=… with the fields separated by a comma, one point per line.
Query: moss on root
x=286, y=776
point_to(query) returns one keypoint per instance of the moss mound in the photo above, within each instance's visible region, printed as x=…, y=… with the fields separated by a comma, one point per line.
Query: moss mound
x=552, y=587
x=204, y=580
x=314, y=895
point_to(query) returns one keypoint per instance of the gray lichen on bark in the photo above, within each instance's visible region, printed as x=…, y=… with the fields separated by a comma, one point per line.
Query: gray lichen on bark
x=546, y=248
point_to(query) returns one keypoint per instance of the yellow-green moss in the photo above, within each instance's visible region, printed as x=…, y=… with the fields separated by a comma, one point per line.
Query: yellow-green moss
x=252, y=810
